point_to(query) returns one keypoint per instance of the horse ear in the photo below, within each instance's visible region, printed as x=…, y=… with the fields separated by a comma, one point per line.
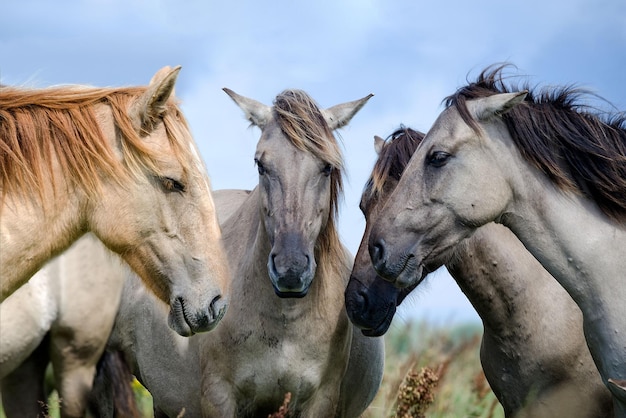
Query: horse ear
x=339, y=115
x=496, y=104
x=255, y=112
x=151, y=105
x=378, y=144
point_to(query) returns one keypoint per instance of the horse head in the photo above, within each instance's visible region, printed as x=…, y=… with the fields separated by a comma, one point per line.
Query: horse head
x=370, y=301
x=299, y=164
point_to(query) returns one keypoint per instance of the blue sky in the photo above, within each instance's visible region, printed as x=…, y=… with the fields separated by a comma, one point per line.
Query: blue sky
x=410, y=54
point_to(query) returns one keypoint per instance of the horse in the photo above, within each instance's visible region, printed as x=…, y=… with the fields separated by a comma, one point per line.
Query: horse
x=533, y=351
x=286, y=330
x=62, y=316
x=66, y=309
x=544, y=165
x=120, y=163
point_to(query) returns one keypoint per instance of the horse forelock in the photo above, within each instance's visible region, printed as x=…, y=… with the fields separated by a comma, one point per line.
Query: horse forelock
x=37, y=124
x=393, y=158
x=580, y=148
x=301, y=120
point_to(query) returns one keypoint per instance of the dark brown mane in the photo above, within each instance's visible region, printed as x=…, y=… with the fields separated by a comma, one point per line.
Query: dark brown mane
x=303, y=123
x=578, y=147
x=37, y=124
x=393, y=158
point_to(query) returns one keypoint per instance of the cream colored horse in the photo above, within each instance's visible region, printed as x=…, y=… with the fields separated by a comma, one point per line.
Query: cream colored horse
x=119, y=162
x=544, y=166
x=533, y=351
x=286, y=330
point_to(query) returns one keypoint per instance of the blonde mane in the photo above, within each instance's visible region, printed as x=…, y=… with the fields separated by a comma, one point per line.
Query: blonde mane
x=38, y=125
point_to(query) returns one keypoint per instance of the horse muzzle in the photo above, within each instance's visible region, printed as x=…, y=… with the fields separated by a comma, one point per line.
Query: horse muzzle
x=402, y=273
x=291, y=287
x=187, y=322
x=368, y=309
x=291, y=275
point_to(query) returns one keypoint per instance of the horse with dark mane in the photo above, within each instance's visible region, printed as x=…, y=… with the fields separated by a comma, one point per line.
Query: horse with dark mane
x=533, y=351
x=546, y=166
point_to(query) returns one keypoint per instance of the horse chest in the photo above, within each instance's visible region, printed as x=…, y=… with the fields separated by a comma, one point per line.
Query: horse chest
x=270, y=364
x=270, y=354
x=272, y=375
x=285, y=373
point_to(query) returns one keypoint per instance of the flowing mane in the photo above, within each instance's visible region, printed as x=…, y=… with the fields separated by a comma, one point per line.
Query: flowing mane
x=579, y=148
x=301, y=120
x=392, y=159
x=37, y=125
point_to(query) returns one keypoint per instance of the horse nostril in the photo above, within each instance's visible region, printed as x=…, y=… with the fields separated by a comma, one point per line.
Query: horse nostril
x=271, y=264
x=361, y=299
x=214, y=310
x=356, y=299
x=377, y=252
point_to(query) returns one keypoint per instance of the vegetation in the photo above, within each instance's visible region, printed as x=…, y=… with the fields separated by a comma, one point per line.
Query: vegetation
x=434, y=372
x=430, y=372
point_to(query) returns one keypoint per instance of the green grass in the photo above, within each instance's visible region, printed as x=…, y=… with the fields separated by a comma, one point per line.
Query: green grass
x=449, y=355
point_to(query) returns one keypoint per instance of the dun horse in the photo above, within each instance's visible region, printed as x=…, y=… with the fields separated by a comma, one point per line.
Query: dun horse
x=543, y=165
x=533, y=351
x=159, y=202
x=119, y=162
x=286, y=329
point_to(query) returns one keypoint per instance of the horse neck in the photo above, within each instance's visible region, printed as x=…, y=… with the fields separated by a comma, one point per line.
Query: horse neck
x=242, y=231
x=81, y=270
x=33, y=232
x=572, y=239
x=248, y=249
x=502, y=281
x=584, y=251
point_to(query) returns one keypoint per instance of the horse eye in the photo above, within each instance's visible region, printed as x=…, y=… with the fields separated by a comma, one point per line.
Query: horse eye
x=327, y=170
x=260, y=167
x=438, y=158
x=172, y=185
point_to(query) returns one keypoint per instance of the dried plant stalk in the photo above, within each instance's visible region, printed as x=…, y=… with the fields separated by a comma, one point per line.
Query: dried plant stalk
x=283, y=411
x=416, y=393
